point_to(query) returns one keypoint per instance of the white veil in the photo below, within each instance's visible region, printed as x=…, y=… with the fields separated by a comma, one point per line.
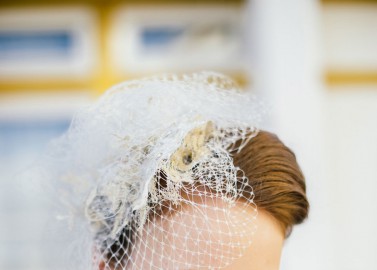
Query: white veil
x=144, y=178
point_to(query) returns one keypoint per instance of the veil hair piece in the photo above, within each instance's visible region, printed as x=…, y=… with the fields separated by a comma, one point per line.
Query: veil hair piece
x=145, y=175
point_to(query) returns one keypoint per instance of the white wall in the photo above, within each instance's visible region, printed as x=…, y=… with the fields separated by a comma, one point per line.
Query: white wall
x=351, y=172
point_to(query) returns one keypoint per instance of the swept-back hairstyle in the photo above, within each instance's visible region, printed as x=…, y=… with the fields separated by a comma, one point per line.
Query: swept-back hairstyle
x=277, y=181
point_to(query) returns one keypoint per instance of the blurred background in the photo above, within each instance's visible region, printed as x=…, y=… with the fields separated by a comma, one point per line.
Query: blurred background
x=314, y=63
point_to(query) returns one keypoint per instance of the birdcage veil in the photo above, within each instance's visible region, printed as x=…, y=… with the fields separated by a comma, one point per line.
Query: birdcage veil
x=144, y=177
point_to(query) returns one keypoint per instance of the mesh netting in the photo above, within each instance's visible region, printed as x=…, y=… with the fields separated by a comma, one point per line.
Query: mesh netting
x=145, y=175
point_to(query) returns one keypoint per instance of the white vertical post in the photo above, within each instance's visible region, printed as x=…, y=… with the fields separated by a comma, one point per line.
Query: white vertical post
x=284, y=62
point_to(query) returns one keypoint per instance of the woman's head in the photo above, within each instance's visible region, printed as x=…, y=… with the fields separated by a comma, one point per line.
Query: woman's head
x=170, y=172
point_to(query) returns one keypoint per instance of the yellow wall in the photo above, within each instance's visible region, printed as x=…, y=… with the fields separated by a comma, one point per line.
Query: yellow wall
x=104, y=75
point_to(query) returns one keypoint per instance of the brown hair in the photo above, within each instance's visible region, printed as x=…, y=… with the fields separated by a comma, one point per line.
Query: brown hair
x=276, y=179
